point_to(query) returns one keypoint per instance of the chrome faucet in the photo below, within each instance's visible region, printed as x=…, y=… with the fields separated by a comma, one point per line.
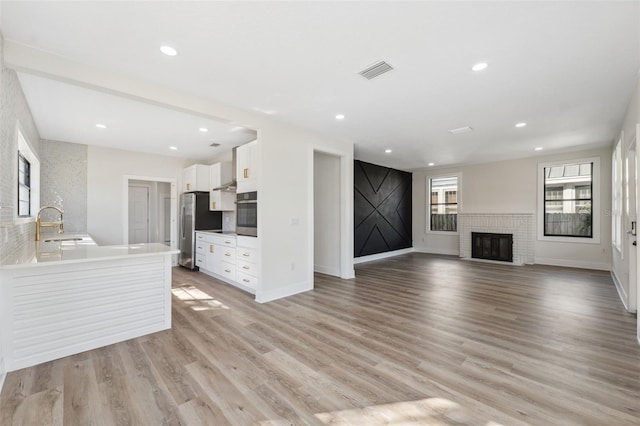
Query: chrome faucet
x=40, y=224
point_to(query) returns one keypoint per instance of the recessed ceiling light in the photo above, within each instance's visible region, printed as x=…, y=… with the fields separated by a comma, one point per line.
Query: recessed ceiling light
x=101, y=126
x=538, y=148
x=340, y=117
x=431, y=164
x=388, y=151
x=479, y=66
x=203, y=129
x=521, y=124
x=173, y=148
x=168, y=50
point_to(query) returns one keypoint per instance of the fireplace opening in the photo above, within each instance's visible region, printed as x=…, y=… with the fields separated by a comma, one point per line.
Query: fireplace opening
x=490, y=246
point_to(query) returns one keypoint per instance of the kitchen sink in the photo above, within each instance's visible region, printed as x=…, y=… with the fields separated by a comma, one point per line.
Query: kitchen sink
x=63, y=239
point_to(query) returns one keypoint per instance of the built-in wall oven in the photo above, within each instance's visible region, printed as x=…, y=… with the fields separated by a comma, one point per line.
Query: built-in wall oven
x=247, y=214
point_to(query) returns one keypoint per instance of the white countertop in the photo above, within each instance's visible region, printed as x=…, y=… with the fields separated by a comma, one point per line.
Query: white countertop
x=75, y=248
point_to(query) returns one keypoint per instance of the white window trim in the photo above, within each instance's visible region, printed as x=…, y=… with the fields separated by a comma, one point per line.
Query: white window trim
x=595, y=206
x=428, y=205
x=25, y=149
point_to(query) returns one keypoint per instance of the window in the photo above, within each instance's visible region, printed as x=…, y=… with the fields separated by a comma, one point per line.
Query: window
x=24, y=186
x=443, y=208
x=569, y=201
x=27, y=181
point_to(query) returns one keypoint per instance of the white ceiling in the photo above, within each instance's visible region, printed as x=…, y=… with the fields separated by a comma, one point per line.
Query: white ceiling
x=69, y=113
x=566, y=68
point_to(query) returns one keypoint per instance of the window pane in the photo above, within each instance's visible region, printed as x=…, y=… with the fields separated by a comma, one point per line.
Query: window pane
x=553, y=193
x=444, y=222
x=23, y=208
x=23, y=193
x=444, y=208
x=583, y=192
x=568, y=200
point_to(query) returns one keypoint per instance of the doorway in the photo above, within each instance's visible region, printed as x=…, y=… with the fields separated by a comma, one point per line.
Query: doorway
x=331, y=211
x=326, y=213
x=150, y=209
x=138, y=214
x=631, y=183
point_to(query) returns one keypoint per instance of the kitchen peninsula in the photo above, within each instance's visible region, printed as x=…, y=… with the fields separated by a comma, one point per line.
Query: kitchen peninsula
x=66, y=295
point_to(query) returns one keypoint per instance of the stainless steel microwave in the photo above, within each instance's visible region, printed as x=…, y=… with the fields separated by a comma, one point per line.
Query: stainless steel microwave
x=247, y=214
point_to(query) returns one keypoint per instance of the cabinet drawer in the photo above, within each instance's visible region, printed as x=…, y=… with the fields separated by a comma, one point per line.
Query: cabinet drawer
x=247, y=254
x=228, y=270
x=201, y=247
x=201, y=237
x=223, y=240
x=200, y=261
x=247, y=280
x=228, y=254
x=247, y=268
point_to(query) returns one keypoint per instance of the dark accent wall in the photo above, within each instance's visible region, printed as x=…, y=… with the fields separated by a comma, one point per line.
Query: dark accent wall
x=382, y=209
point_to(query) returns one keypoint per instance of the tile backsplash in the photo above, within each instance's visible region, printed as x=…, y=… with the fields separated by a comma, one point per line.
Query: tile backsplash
x=63, y=182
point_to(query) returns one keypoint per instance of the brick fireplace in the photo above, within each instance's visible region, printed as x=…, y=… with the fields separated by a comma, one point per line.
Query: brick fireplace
x=520, y=225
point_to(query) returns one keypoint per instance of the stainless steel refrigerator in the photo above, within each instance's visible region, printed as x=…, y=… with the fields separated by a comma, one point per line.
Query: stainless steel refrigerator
x=195, y=216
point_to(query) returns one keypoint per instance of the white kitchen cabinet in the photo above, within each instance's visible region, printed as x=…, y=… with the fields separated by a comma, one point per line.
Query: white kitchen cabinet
x=220, y=174
x=246, y=262
x=247, y=167
x=231, y=258
x=196, y=178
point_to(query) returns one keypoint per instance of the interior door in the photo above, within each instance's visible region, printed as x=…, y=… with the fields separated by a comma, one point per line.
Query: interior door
x=138, y=214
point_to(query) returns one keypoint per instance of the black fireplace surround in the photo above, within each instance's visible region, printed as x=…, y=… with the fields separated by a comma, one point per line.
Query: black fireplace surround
x=490, y=246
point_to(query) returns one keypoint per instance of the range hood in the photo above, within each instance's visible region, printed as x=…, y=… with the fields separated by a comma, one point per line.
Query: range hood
x=232, y=184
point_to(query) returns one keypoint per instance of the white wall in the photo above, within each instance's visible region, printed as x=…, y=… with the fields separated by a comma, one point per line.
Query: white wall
x=326, y=213
x=621, y=261
x=511, y=187
x=106, y=169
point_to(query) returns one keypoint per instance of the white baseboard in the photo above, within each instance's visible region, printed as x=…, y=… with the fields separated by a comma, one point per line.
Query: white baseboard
x=430, y=250
x=2, y=377
x=379, y=256
x=329, y=270
x=279, y=293
x=600, y=266
x=621, y=293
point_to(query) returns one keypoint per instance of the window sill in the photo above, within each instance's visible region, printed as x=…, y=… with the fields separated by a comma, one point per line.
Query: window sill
x=592, y=240
x=450, y=233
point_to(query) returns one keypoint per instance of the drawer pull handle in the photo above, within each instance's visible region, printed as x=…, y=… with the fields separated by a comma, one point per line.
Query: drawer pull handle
x=227, y=242
x=245, y=267
x=245, y=280
x=227, y=254
x=227, y=270
x=245, y=254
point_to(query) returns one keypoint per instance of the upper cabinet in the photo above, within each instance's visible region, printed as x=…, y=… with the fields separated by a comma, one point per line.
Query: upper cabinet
x=220, y=174
x=247, y=167
x=195, y=178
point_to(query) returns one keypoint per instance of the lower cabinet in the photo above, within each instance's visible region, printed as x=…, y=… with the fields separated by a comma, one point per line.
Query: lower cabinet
x=222, y=257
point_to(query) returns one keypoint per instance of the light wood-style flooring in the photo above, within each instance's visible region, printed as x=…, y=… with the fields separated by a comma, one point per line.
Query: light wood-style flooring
x=417, y=339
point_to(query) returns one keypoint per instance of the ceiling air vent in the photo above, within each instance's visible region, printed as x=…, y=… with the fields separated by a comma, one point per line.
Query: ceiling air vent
x=375, y=70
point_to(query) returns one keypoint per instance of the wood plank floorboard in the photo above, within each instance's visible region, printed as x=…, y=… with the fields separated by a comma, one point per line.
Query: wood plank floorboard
x=413, y=340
